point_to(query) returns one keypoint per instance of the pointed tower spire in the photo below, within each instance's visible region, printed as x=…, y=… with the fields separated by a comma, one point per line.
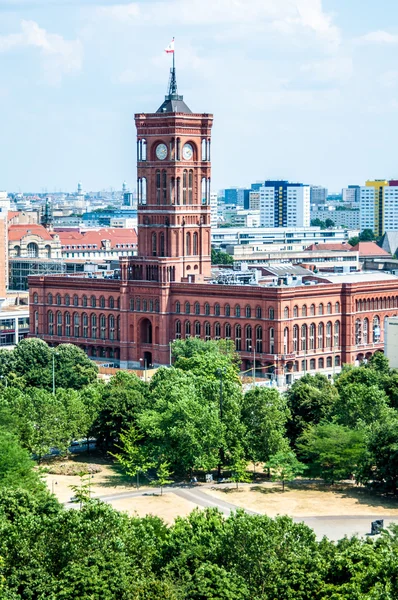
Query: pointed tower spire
x=173, y=102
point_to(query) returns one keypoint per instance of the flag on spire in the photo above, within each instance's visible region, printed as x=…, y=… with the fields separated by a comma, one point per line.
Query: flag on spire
x=170, y=48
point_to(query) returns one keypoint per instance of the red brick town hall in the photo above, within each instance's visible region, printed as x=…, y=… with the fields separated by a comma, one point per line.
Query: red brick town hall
x=288, y=324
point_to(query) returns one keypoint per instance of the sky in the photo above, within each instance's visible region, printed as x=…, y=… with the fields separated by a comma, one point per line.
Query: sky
x=304, y=90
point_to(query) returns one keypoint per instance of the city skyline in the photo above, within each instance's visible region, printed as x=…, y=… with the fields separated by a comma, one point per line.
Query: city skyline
x=298, y=92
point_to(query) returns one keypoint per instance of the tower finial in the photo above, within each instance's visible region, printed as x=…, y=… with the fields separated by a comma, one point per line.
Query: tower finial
x=173, y=103
x=173, y=90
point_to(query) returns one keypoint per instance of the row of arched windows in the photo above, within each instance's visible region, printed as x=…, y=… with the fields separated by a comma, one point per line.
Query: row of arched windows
x=376, y=303
x=144, y=305
x=313, y=362
x=93, y=301
x=87, y=326
x=364, y=333
x=248, y=312
x=312, y=337
x=227, y=332
x=312, y=310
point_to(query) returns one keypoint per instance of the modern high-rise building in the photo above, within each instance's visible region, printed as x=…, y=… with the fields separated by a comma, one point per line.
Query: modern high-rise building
x=318, y=194
x=372, y=201
x=351, y=194
x=284, y=204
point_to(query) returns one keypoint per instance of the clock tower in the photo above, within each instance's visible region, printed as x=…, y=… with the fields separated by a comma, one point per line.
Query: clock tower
x=173, y=185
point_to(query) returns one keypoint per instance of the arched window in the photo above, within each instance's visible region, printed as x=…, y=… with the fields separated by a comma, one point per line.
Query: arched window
x=187, y=308
x=258, y=312
x=217, y=331
x=76, y=325
x=358, y=332
x=312, y=337
x=67, y=324
x=286, y=312
x=286, y=340
x=320, y=336
x=187, y=329
x=248, y=312
x=49, y=299
x=271, y=314
x=93, y=302
x=67, y=300
x=376, y=329
x=259, y=339
x=102, y=302
x=329, y=362
x=329, y=308
x=197, y=329
x=337, y=361
x=138, y=304
x=271, y=332
x=207, y=332
x=337, y=307
x=295, y=338
x=197, y=308
x=238, y=337
x=158, y=187
x=111, y=302
x=59, y=323
x=207, y=309
x=75, y=300
x=336, y=335
x=227, y=310
x=304, y=337
x=111, y=325
x=161, y=245
x=188, y=244
x=35, y=298
x=33, y=250
x=157, y=306
x=144, y=305
x=94, y=326
x=17, y=250
x=102, y=327
x=190, y=186
x=227, y=331
x=85, y=325
x=366, y=331
x=295, y=311
x=184, y=186
x=304, y=310
x=164, y=182
x=151, y=305
x=312, y=364
x=304, y=365
x=237, y=310
x=84, y=301
x=328, y=334
x=195, y=244
x=178, y=307
x=50, y=322
x=320, y=363
x=320, y=309
x=312, y=310
x=248, y=338
x=217, y=310
x=178, y=330
x=58, y=299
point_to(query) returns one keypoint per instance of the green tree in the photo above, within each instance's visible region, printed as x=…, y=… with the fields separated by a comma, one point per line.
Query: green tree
x=329, y=223
x=239, y=467
x=310, y=400
x=264, y=415
x=82, y=491
x=284, y=467
x=353, y=241
x=33, y=360
x=318, y=223
x=16, y=466
x=358, y=403
x=332, y=451
x=379, y=363
x=380, y=464
x=73, y=368
x=218, y=257
x=163, y=474
x=367, y=235
x=132, y=456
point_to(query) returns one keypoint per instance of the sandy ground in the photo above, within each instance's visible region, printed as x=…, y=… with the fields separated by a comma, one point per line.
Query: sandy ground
x=168, y=507
x=108, y=482
x=306, y=500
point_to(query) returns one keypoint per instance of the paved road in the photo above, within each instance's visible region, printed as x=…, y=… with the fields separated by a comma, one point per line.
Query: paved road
x=333, y=527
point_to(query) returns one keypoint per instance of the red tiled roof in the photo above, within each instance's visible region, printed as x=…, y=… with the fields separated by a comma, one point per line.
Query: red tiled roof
x=17, y=232
x=332, y=246
x=12, y=214
x=370, y=249
x=94, y=237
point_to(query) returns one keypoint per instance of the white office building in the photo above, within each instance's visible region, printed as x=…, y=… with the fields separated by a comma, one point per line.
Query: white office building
x=367, y=208
x=390, y=212
x=284, y=204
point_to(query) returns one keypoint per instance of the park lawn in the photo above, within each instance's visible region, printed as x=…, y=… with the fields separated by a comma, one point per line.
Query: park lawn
x=306, y=499
x=167, y=507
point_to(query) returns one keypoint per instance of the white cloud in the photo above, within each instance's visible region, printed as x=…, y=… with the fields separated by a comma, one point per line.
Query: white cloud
x=389, y=79
x=334, y=69
x=282, y=15
x=378, y=37
x=59, y=56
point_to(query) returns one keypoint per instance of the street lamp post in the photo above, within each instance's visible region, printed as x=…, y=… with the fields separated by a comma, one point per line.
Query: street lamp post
x=220, y=373
x=145, y=366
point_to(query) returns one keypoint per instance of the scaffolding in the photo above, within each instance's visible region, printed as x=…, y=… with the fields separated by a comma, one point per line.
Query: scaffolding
x=21, y=268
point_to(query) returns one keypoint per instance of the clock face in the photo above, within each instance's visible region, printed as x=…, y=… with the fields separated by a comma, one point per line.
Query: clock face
x=187, y=152
x=161, y=151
